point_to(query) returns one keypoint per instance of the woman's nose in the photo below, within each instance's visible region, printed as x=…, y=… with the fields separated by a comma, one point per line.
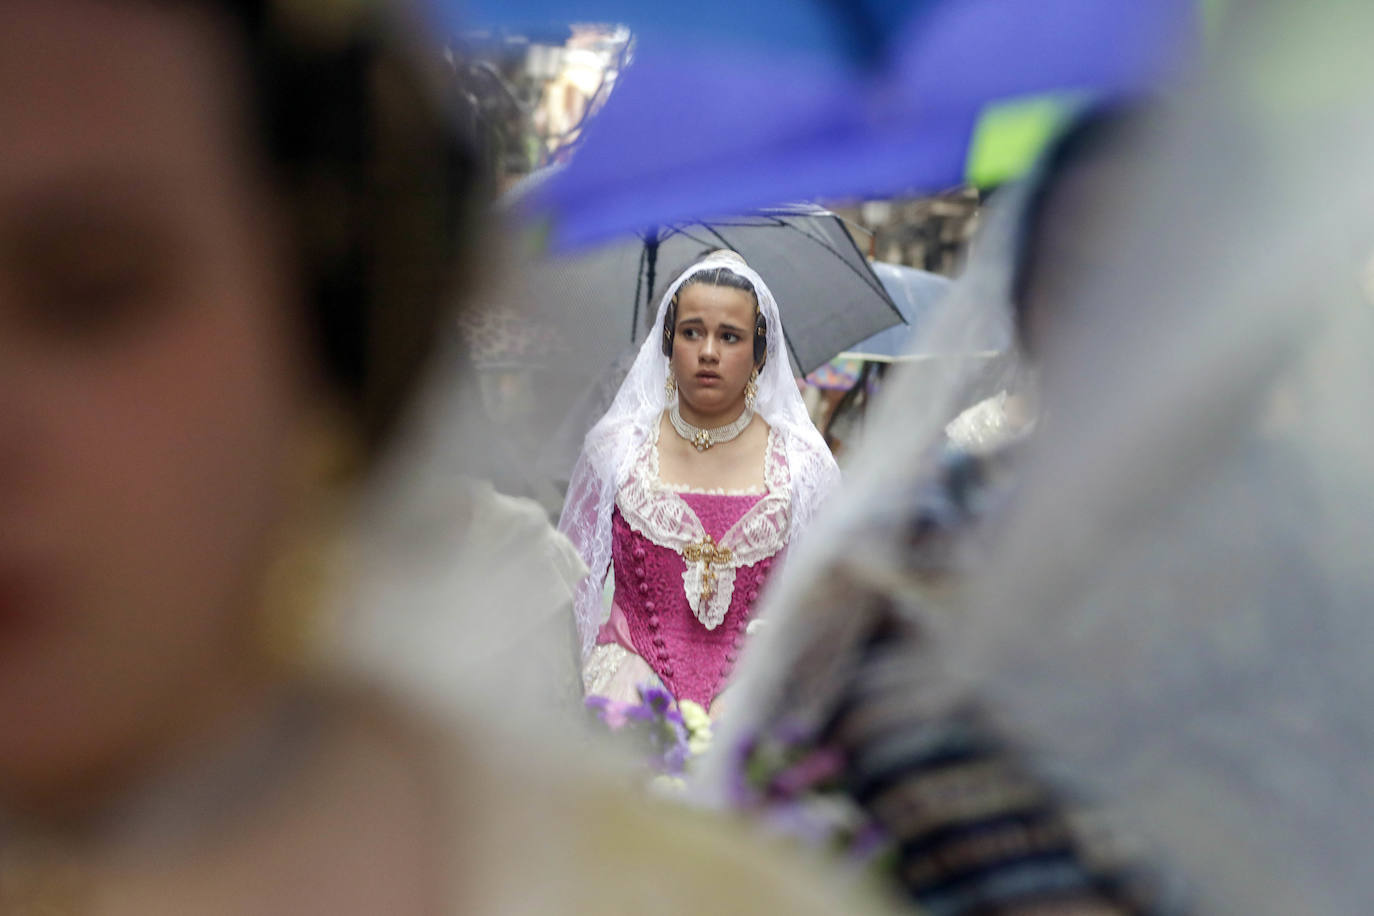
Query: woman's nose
x=708, y=349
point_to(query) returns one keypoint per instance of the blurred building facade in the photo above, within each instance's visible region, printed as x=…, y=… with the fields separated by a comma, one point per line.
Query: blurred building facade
x=529, y=96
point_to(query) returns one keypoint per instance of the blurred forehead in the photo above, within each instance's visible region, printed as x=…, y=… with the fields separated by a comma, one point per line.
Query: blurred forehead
x=115, y=97
x=716, y=305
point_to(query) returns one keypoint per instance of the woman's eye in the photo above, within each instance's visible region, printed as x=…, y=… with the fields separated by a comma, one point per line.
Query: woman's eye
x=88, y=276
x=690, y=333
x=729, y=337
x=92, y=298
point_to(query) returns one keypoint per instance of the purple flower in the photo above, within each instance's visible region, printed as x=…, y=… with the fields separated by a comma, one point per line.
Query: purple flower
x=613, y=714
x=636, y=712
x=675, y=760
x=657, y=699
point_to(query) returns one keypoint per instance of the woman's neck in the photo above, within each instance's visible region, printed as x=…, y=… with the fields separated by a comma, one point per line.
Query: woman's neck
x=714, y=419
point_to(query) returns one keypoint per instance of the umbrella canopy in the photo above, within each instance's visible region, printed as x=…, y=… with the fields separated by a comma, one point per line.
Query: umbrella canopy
x=917, y=294
x=699, y=128
x=587, y=312
x=604, y=299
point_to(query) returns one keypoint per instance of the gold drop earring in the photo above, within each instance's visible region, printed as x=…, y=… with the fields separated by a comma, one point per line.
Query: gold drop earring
x=670, y=386
x=751, y=389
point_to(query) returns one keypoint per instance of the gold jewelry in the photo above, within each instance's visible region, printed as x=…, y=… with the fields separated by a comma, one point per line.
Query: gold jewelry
x=751, y=390
x=705, y=438
x=670, y=386
x=709, y=554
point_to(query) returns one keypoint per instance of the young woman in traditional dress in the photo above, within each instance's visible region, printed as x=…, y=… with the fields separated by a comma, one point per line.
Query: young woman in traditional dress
x=690, y=488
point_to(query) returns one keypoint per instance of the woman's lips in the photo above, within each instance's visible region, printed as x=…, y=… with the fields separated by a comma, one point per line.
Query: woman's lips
x=707, y=378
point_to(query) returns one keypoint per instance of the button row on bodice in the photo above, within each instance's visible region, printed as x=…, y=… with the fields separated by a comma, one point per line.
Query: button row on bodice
x=651, y=609
x=742, y=624
x=661, y=640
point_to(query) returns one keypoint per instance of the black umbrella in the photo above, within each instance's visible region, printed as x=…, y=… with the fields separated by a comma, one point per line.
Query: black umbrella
x=604, y=299
x=585, y=313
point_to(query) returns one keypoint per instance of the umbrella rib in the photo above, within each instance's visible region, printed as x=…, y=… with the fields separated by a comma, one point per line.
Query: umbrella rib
x=682, y=231
x=722, y=238
x=785, y=339
x=871, y=281
x=639, y=282
x=839, y=255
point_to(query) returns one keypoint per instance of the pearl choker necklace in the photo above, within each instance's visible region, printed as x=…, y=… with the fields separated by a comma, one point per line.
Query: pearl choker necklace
x=705, y=438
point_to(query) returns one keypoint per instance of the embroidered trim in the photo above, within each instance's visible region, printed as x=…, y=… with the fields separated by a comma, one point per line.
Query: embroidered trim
x=715, y=491
x=658, y=512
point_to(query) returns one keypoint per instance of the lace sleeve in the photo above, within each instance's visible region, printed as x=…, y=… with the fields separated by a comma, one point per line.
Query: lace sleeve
x=581, y=523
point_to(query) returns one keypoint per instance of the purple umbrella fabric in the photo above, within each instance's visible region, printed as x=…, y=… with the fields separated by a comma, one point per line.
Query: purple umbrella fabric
x=697, y=129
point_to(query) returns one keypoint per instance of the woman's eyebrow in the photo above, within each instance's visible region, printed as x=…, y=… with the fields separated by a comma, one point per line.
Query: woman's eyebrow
x=723, y=326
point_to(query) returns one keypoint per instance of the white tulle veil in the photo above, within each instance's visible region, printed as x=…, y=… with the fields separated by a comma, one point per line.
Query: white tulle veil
x=611, y=445
x=1175, y=618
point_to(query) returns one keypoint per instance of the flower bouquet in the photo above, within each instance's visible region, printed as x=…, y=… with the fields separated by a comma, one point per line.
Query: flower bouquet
x=664, y=733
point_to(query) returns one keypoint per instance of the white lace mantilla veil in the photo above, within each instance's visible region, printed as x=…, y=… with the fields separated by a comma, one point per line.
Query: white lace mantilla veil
x=612, y=444
x=1176, y=620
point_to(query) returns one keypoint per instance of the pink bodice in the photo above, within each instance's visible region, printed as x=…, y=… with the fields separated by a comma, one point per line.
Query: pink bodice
x=693, y=662
x=689, y=567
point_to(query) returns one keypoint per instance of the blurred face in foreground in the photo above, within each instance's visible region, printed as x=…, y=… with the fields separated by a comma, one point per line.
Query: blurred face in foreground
x=713, y=350
x=151, y=384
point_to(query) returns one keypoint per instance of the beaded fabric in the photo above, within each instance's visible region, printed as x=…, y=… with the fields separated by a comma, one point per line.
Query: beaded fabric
x=704, y=438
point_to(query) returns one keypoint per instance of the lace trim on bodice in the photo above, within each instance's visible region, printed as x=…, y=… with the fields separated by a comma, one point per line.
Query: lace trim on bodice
x=685, y=490
x=658, y=512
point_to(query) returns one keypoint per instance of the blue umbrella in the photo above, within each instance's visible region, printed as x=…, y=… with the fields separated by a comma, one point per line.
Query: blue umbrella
x=916, y=293
x=739, y=123
x=920, y=296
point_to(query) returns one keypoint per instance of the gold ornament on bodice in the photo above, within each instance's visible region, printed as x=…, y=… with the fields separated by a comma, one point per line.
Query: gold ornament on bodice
x=707, y=552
